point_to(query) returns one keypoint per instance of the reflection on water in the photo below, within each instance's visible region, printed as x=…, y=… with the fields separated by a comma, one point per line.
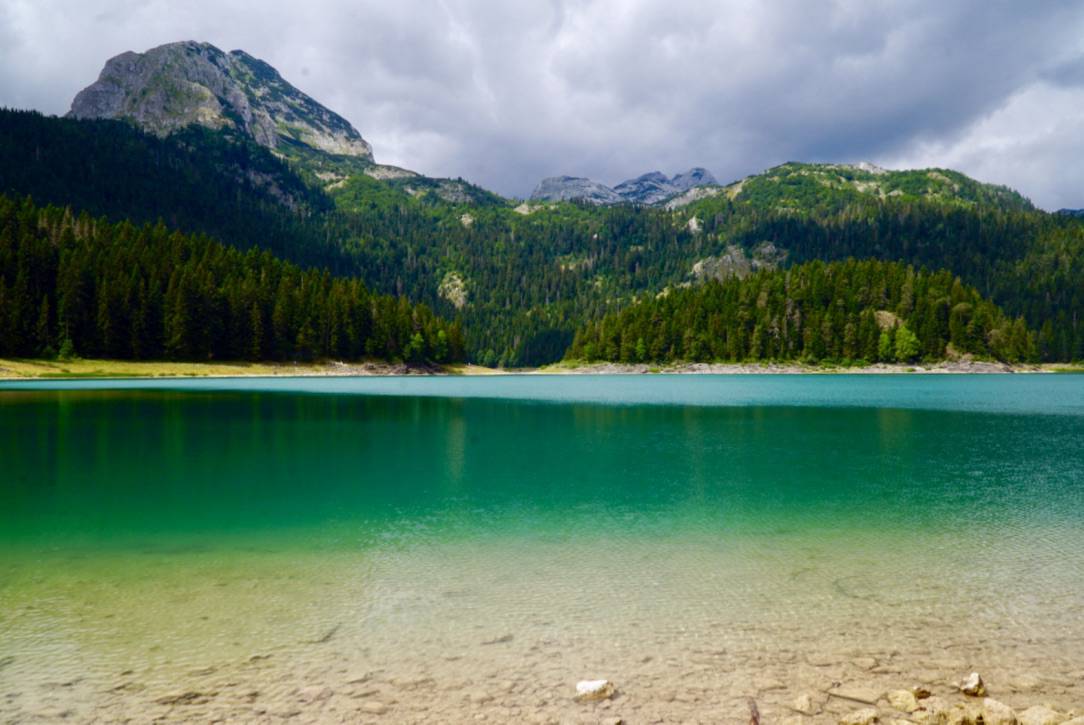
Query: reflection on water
x=269, y=539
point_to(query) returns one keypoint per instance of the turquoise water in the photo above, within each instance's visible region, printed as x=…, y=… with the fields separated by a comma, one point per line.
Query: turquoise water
x=164, y=527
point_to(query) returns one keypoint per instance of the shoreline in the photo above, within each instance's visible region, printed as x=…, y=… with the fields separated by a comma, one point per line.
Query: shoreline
x=29, y=369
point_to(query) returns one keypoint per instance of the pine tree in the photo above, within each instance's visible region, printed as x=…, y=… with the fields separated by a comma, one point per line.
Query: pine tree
x=43, y=331
x=907, y=344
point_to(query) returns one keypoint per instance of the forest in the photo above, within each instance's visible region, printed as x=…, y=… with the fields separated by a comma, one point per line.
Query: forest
x=531, y=275
x=77, y=285
x=842, y=312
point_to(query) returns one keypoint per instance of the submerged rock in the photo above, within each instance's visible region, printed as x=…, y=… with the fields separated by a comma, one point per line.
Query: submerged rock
x=997, y=713
x=808, y=704
x=864, y=695
x=314, y=693
x=372, y=707
x=903, y=700
x=1040, y=715
x=964, y=713
x=973, y=685
x=592, y=690
x=865, y=716
x=932, y=710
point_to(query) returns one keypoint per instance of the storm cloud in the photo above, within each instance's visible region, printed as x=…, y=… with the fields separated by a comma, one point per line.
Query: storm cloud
x=504, y=93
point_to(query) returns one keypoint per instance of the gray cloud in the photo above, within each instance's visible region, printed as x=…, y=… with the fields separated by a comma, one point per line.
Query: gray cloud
x=504, y=93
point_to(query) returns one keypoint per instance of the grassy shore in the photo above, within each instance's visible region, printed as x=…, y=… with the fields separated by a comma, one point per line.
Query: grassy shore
x=574, y=367
x=21, y=369
x=24, y=369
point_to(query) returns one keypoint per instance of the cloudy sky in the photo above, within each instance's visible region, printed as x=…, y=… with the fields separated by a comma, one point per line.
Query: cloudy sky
x=504, y=93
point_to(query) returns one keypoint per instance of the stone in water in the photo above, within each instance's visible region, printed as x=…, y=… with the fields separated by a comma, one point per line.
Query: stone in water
x=588, y=690
x=973, y=685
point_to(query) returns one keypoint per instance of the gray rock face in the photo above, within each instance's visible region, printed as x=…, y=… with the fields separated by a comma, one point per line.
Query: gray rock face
x=178, y=84
x=692, y=178
x=655, y=187
x=573, y=188
x=649, y=189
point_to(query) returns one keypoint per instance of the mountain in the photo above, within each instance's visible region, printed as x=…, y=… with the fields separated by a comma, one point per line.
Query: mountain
x=195, y=180
x=648, y=190
x=521, y=279
x=692, y=178
x=178, y=84
x=574, y=188
x=174, y=87
x=804, y=188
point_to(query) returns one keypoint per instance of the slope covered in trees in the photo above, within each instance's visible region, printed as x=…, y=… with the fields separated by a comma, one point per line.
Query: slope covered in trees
x=524, y=279
x=845, y=312
x=1029, y=262
x=79, y=285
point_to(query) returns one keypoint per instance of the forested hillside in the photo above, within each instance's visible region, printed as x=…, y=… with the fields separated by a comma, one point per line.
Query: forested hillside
x=72, y=284
x=844, y=312
x=521, y=278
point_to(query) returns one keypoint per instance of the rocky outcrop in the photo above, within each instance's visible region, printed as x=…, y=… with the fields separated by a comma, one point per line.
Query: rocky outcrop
x=649, y=189
x=574, y=188
x=453, y=289
x=692, y=196
x=693, y=178
x=179, y=84
x=735, y=261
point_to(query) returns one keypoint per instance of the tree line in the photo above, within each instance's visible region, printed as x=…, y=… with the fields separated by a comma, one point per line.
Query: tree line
x=532, y=279
x=846, y=312
x=73, y=284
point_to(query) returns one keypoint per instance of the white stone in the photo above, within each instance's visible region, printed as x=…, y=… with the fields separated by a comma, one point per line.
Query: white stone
x=973, y=685
x=587, y=690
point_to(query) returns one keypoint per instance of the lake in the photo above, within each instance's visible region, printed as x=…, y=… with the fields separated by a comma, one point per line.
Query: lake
x=453, y=549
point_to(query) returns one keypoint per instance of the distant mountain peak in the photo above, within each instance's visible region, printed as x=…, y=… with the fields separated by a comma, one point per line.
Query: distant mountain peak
x=574, y=188
x=697, y=176
x=648, y=189
x=178, y=84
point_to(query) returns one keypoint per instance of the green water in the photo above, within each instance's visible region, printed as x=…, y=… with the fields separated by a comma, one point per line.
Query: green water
x=157, y=526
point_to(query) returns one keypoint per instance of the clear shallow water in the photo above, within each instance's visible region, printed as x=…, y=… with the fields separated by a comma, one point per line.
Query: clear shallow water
x=699, y=539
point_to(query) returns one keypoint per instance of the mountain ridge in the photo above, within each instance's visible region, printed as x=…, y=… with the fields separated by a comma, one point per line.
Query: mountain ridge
x=647, y=189
x=523, y=277
x=178, y=84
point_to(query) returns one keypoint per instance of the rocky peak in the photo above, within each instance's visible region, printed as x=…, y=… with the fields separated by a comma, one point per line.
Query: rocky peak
x=574, y=188
x=648, y=189
x=178, y=84
x=698, y=176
